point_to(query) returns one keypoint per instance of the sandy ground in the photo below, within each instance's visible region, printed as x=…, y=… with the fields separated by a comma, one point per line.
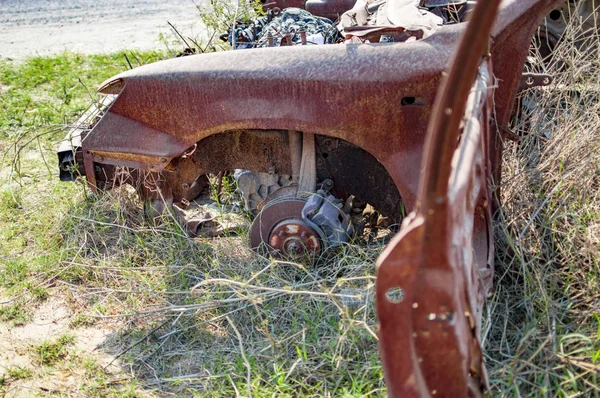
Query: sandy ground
x=43, y=27
x=50, y=321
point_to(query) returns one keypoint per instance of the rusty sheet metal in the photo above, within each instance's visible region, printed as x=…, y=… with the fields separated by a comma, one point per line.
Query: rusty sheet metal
x=439, y=259
x=355, y=171
x=306, y=88
x=166, y=107
x=433, y=262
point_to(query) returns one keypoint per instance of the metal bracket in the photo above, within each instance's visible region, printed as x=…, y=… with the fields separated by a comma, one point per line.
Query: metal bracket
x=529, y=80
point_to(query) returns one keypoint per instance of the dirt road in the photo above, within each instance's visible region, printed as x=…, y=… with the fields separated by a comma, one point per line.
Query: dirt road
x=43, y=27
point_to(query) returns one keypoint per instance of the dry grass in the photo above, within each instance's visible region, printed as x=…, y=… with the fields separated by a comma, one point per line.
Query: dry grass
x=210, y=315
x=543, y=330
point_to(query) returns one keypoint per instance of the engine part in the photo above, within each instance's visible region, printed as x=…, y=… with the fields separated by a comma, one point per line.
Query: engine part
x=285, y=29
x=290, y=26
x=255, y=187
x=329, y=215
x=294, y=238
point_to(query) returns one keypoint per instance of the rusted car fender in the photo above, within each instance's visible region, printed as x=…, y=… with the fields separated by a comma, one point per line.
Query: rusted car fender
x=351, y=92
x=375, y=96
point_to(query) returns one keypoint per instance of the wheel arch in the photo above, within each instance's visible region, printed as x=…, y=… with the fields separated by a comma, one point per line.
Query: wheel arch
x=353, y=169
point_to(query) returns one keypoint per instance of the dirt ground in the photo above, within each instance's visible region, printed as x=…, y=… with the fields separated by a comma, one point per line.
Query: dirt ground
x=50, y=321
x=43, y=27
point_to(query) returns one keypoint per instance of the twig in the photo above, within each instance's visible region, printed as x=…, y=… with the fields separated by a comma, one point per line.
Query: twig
x=127, y=59
x=196, y=44
x=50, y=175
x=94, y=100
x=209, y=41
x=272, y=289
x=179, y=34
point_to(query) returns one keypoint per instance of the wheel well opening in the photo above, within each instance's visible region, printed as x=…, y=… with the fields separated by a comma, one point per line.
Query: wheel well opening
x=353, y=170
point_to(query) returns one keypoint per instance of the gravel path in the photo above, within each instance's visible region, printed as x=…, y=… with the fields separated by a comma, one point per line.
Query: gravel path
x=43, y=27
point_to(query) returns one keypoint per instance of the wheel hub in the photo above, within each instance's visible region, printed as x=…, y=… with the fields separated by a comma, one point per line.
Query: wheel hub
x=279, y=229
x=294, y=238
x=293, y=227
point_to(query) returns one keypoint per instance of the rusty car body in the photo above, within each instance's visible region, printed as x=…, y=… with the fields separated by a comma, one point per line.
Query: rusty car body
x=362, y=118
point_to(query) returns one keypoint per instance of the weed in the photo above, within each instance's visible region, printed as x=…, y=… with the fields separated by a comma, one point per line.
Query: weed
x=50, y=352
x=542, y=334
x=13, y=273
x=218, y=16
x=15, y=314
x=18, y=373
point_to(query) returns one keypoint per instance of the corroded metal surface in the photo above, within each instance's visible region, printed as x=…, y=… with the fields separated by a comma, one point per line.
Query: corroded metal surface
x=382, y=106
x=442, y=258
x=294, y=238
x=269, y=228
x=303, y=89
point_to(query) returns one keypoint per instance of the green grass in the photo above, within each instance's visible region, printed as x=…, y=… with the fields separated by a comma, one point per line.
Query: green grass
x=45, y=91
x=49, y=352
x=14, y=373
x=14, y=314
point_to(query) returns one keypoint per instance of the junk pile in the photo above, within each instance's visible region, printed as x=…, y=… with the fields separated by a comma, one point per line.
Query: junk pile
x=291, y=26
x=388, y=21
x=369, y=21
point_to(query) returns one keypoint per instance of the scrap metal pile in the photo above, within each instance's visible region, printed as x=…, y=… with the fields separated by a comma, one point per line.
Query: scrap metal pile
x=314, y=133
x=368, y=21
x=290, y=26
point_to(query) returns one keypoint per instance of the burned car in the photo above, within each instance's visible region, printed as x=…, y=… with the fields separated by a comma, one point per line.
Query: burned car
x=313, y=131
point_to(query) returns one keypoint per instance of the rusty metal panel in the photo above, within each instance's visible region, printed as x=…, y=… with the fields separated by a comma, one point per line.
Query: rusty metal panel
x=438, y=261
x=304, y=89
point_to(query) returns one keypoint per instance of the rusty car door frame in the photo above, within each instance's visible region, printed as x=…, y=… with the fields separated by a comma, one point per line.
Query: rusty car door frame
x=431, y=281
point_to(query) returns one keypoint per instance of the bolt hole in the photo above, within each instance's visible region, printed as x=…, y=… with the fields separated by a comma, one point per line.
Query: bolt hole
x=325, y=155
x=412, y=101
x=395, y=295
x=555, y=15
